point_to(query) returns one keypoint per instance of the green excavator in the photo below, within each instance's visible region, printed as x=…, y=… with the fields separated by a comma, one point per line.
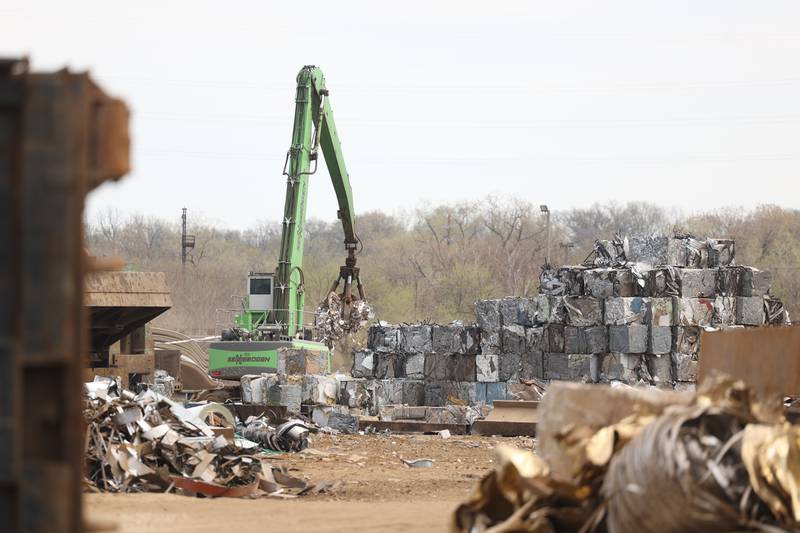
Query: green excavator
x=273, y=314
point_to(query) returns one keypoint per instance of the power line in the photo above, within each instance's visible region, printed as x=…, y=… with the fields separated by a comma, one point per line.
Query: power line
x=533, y=86
x=415, y=160
x=533, y=124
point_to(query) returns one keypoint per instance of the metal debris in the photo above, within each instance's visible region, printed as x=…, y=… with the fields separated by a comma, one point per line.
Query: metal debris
x=776, y=313
x=536, y=387
x=561, y=281
x=418, y=463
x=147, y=443
x=694, y=462
x=291, y=436
x=163, y=383
x=519, y=495
x=330, y=323
x=724, y=462
x=609, y=253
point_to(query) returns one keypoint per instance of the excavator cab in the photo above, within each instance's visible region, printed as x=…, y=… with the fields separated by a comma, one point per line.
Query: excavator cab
x=259, y=290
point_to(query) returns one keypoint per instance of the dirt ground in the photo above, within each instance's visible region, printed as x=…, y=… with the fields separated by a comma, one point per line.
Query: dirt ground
x=372, y=490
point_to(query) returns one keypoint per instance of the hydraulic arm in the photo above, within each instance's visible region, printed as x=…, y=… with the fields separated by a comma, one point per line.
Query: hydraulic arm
x=314, y=128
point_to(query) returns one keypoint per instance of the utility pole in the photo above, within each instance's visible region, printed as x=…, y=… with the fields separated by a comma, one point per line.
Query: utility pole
x=187, y=241
x=544, y=209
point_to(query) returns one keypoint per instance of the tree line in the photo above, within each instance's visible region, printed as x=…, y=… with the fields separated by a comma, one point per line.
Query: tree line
x=430, y=264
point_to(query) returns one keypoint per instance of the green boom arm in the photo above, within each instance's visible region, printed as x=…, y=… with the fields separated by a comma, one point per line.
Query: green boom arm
x=313, y=128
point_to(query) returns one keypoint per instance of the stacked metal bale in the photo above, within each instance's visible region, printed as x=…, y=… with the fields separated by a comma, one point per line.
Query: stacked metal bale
x=425, y=364
x=271, y=389
x=633, y=315
x=450, y=365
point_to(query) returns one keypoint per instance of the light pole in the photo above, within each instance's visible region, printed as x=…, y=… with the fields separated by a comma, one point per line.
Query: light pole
x=543, y=208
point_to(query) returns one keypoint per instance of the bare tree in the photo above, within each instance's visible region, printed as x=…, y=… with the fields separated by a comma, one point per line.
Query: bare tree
x=433, y=264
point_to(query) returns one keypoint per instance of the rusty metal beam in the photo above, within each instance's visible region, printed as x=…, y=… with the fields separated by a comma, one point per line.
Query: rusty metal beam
x=60, y=136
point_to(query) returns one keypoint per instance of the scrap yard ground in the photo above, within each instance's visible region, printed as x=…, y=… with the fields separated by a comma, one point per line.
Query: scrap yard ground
x=372, y=489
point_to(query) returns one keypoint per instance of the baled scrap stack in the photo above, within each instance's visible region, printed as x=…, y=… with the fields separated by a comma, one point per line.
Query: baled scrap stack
x=634, y=315
x=404, y=366
x=322, y=394
x=637, y=460
x=531, y=333
x=302, y=379
x=273, y=390
x=452, y=365
x=427, y=365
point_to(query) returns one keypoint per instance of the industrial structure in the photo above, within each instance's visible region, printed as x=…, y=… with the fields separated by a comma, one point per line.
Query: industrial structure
x=121, y=306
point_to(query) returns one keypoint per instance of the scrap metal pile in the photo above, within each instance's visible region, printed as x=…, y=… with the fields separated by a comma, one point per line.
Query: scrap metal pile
x=147, y=442
x=332, y=325
x=719, y=461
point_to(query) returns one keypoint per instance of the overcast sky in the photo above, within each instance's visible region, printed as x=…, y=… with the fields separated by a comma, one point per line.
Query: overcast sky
x=691, y=104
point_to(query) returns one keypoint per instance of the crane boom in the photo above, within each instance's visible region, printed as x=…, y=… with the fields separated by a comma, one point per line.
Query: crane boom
x=314, y=127
x=332, y=150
